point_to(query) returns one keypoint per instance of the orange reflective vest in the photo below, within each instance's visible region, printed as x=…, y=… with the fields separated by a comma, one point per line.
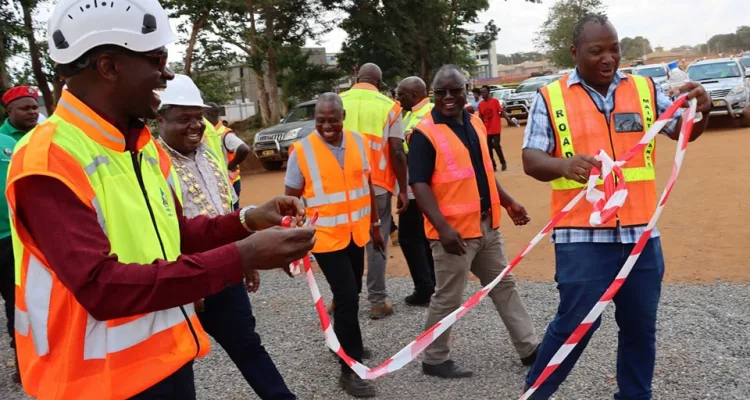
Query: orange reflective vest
x=222, y=131
x=63, y=351
x=340, y=196
x=580, y=128
x=371, y=114
x=454, y=181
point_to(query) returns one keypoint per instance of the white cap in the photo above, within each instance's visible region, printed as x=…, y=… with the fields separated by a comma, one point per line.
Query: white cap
x=181, y=91
x=77, y=26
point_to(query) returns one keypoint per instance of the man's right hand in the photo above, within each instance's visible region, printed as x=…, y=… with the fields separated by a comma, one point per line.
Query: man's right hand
x=275, y=247
x=578, y=167
x=452, y=241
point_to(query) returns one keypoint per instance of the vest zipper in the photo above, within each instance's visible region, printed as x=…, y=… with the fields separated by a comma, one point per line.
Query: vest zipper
x=137, y=158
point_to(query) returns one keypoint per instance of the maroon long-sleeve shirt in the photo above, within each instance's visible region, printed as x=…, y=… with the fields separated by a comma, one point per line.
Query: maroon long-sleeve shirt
x=68, y=234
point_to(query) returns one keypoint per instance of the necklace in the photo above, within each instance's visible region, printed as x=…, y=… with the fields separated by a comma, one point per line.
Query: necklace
x=190, y=183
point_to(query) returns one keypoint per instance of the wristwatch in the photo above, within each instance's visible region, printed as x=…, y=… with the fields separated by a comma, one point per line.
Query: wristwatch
x=375, y=224
x=243, y=211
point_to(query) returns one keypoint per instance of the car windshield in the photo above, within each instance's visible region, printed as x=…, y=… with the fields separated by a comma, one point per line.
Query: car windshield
x=531, y=86
x=714, y=71
x=301, y=113
x=653, y=72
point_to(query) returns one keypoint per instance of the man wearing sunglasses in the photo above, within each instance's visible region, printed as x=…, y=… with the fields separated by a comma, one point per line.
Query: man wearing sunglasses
x=451, y=175
x=104, y=293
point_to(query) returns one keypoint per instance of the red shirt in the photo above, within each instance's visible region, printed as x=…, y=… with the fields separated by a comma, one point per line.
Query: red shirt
x=489, y=111
x=68, y=234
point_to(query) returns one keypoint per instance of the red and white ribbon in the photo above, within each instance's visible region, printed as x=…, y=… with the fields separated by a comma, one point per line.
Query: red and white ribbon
x=605, y=206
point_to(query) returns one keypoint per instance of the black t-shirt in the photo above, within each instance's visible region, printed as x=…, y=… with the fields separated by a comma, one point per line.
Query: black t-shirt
x=422, y=154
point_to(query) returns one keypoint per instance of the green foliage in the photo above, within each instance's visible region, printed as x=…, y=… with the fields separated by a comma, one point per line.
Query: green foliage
x=634, y=48
x=556, y=34
x=301, y=80
x=731, y=42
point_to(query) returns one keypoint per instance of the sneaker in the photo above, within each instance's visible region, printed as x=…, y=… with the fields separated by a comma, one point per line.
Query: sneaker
x=355, y=386
x=418, y=299
x=381, y=312
x=447, y=370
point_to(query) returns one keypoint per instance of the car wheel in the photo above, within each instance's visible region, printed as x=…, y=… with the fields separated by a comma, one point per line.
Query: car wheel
x=272, y=165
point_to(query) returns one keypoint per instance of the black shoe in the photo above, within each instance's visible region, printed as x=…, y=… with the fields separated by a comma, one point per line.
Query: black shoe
x=504, y=166
x=529, y=361
x=366, y=353
x=355, y=386
x=418, y=299
x=447, y=369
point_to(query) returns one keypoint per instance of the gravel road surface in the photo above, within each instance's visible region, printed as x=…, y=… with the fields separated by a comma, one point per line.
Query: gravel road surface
x=703, y=347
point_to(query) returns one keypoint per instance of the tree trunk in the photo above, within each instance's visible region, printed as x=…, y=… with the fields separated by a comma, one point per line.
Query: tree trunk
x=4, y=77
x=57, y=85
x=36, y=61
x=423, y=63
x=197, y=25
x=257, y=67
x=273, y=87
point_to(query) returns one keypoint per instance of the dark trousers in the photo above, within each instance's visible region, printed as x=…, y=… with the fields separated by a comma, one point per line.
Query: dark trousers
x=343, y=270
x=583, y=272
x=228, y=318
x=416, y=249
x=178, y=386
x=237, y=188
x=8, y=284
x=493, y=142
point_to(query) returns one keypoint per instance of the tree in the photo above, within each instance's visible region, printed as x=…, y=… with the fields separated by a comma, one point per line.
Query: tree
x=28, y=7
x=10, y=43
x=556, y=34
x=195, y=15
x=300, y=79
x=485, y=39
x=634, y=48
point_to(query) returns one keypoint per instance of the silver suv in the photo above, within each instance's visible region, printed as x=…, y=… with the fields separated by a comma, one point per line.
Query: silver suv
x=518, y=104
x=726, y=81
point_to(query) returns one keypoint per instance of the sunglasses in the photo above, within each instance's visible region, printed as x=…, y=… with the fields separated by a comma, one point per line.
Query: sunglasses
x=157, y=57
x=454, y=92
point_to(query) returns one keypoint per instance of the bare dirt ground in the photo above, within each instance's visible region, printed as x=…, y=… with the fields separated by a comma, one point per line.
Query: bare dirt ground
x=705, y=232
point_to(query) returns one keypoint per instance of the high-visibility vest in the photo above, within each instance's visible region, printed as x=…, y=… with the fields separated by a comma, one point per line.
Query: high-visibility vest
x=585, y=130
x=340, y=196
x=214, y=142
x=63, y=351
x=371, y=114
x=222, y=131
x=412, y=118
x=454, y=181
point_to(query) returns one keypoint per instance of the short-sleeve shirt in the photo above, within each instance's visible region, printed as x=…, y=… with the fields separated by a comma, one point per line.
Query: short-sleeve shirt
x=422, y=154
x=294, y=178
x=489, y=111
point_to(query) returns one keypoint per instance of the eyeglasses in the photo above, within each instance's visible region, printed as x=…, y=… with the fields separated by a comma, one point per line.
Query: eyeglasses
x=454, y=92
x=157, y=57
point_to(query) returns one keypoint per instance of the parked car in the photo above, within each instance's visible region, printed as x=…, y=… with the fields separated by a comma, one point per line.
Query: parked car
x=518, y=104
x=628, y=70
x=657, y=72
x=502, y=95
x=271, y=145
x=746, y=63
x=728, y=83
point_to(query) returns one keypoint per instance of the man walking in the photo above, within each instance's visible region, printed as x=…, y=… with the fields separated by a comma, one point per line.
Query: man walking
x=490, y=111
x=23, y=111
x=227, y=316
x=330, y=172
x=412, y=94
x=571, y=120
x=104, y=293
x=234, y=149
x=450, y=173
x=378, y=118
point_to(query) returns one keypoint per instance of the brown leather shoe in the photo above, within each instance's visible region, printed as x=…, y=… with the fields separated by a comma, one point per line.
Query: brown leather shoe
x=381, y=312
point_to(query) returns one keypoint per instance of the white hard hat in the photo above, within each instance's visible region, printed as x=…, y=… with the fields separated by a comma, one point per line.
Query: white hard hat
x=77, y=26
x=181, y=91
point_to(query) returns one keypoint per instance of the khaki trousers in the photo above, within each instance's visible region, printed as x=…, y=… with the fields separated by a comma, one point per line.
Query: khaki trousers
x=485, y=257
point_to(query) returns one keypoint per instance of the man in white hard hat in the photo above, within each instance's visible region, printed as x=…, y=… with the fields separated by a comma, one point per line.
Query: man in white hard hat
x=227, y=316
x=104, y=293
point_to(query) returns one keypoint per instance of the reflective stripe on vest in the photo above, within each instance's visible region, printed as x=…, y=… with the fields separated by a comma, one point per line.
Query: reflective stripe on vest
x=559, y=115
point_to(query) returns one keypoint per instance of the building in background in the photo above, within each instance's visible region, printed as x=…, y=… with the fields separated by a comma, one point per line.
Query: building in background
x=485, y=60
x=526, y=68
x=346, y=82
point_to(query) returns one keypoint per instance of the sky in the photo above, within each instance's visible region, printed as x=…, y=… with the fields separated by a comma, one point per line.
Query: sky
x=667, y=23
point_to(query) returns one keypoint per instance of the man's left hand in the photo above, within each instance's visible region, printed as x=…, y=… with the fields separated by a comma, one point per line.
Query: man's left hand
x=518, y=214
x=270, y=213
x=402, y=202
x=252, y=281
x=696, y=91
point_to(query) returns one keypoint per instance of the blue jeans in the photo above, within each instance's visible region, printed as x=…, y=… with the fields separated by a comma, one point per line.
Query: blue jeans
x=229, y=319
x=583, y=271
